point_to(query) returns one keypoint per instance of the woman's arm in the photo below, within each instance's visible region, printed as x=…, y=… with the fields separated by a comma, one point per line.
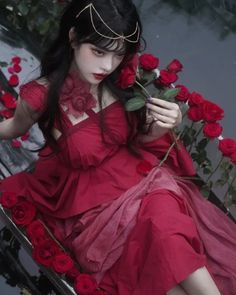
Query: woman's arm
x=23, y=119
x=166, y=115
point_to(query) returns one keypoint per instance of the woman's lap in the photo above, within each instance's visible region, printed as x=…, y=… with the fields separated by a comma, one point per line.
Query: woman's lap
x=162, y=250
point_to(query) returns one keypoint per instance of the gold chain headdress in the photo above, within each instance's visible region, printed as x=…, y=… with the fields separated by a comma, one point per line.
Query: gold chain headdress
x=118, y=36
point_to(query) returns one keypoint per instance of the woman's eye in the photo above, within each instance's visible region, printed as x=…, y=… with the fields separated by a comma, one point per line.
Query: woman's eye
x=98, y=52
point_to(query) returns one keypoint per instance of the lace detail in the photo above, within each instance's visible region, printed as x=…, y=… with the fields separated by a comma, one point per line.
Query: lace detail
x=75, y=96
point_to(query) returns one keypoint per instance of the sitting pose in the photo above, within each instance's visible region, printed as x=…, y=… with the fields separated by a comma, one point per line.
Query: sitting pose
x=135, y=231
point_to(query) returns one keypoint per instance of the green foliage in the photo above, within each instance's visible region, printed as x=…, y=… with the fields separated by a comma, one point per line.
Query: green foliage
x=33, y=18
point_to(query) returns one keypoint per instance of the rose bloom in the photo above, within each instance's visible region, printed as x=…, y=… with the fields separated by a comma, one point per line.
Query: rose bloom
x=11, y=70
x=6, y=113
x=227, y=146
x=16, y=60
x=183, y=95
x=195, y=113
x=175, y=66
x=17, y=68
x=127, y=75
x=148, y=62
x=72, y=273
x=9, y=100
x=212, y=112
x=62, y=263
x=233, y=157
x=15, y=143
x=23, y=213
x=36, y=232
x=166, y=78
x=85, y=284
x=212, y=130
x=45, y=252
x=127, y=78
x=13, y=80
x=8, y=199
x=195, y=99
x=25, y=136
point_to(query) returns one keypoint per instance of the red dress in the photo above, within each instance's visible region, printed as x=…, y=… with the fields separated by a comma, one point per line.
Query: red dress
x=136, y=234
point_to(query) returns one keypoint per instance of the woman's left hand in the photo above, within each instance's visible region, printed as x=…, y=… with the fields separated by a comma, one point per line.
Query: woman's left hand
x=165, y=114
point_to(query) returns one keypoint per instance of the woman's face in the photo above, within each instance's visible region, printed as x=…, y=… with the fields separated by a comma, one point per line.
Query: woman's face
x=94, y=63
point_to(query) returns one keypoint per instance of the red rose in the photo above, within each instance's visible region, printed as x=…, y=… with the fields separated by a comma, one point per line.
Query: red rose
x=36, y=232
x=23, y=213
x=13, y=81
x=45, y=252
x=195, y=113
x=166, y=78
x=17, y=68
x=72, y=273
x=175, y=66
x=127, y=78
x=25, y=136
x=148, y=62
x=6, y=113
x=195, y=99
x=212, y=112
x=11, y=70
x=227, y=146
x=15, y=143
x=85, y=284
x=212, y=130
x=9, y=100
x=127, y=75
x=16, y=60
x=62, y=263
x=8, y=199
x=144, y=167
x=233, y=157
x=184, y=94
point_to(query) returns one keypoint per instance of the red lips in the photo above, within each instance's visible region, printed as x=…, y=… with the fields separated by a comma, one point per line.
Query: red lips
x=99, y=76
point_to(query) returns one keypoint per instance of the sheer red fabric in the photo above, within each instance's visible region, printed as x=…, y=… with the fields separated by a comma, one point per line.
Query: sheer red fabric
x=137, y=234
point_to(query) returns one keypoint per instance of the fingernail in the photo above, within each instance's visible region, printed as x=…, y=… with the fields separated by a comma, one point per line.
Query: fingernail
x=149, y=98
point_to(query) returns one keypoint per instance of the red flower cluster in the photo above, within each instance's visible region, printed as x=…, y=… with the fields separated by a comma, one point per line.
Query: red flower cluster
x=45, y=250
x=169, y=75
x=9, y=100
x=14, y=69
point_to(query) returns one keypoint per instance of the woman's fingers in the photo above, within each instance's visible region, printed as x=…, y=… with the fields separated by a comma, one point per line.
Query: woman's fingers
x=166, y=112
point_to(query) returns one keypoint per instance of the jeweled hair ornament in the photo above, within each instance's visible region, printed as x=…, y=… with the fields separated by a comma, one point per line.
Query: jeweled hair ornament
x=118, y=36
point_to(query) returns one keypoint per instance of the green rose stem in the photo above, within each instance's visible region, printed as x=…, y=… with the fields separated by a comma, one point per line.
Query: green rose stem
x=195, y=138
x=229, y=187
x=170, y=148
x=218, y=165
x=143, y=88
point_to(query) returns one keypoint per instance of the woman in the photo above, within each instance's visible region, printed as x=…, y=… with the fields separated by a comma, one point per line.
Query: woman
x=136, y=233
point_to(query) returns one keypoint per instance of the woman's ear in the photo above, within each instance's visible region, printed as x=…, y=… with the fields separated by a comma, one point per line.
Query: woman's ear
x=72, y=37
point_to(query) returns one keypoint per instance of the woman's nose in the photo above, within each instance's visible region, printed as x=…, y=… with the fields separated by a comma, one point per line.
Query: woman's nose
x=107, y=64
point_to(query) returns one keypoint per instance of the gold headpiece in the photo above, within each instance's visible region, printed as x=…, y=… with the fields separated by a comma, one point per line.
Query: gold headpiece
x=118, y=36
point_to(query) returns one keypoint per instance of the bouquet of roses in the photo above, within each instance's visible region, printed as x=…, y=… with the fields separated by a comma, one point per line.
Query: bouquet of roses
x=201, y=119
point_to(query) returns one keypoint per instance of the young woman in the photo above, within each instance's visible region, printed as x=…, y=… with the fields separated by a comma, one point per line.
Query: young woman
x=137, y=234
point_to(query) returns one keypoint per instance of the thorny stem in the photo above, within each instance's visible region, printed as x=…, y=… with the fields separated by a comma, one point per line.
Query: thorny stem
x=218, y=165
x=230, y=185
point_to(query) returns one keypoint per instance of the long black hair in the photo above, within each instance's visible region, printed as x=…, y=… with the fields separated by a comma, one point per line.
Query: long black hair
x=119, y=15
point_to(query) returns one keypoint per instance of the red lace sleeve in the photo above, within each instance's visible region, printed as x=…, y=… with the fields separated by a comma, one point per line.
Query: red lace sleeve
x=34, y=94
